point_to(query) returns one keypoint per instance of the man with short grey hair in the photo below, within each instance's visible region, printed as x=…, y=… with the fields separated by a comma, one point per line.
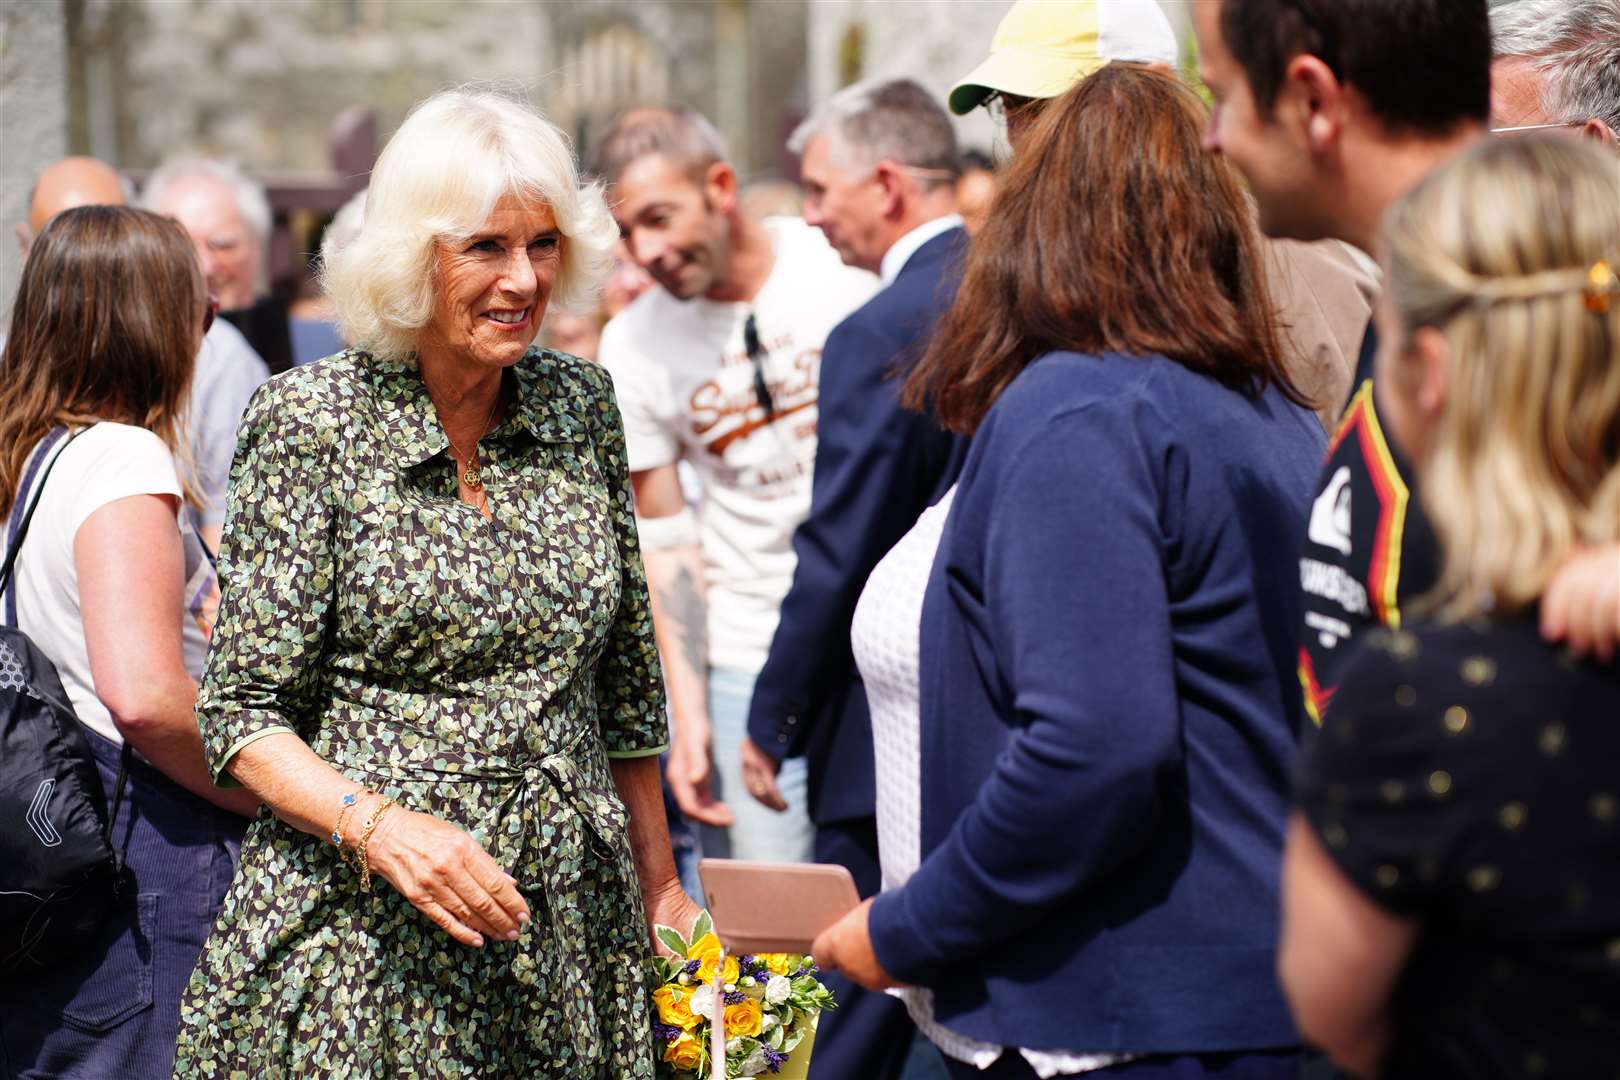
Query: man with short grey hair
x=879, y=166
x=1557, y=64
x=228, y=216
x=875, y=153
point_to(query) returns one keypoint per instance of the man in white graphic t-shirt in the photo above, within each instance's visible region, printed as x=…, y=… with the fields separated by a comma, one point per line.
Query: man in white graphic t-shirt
x=718, y=367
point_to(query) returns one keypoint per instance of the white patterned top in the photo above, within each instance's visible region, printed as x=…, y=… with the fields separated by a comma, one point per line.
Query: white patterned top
x=885, y=636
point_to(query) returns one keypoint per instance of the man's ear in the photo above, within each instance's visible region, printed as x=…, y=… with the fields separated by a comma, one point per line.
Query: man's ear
x=1433, y=353
x=720, y=186
x=1600, y=131
x=1315, y=98
x=892, y=179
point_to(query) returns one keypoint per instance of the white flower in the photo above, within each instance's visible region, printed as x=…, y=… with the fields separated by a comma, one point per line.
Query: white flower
x=683, y=978
x=766, y=1022
x=778, y=989
x=752, y=1065
x=731, y=988
x=702, y=1003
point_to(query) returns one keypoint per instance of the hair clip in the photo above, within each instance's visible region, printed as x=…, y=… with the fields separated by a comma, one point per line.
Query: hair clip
x=1600, y=287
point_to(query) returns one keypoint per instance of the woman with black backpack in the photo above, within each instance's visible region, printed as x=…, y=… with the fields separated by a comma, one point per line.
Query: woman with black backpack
x=110, y=584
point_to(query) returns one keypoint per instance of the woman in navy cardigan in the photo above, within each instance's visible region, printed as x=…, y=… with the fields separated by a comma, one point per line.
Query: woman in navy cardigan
x=1108, y=702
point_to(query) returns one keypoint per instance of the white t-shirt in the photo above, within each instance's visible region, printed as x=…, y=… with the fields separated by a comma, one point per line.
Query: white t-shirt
x=685, y=384
x=105, y=463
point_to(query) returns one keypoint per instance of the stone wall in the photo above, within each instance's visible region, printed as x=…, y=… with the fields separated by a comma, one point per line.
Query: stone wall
x=33, y=116
x=262, y=82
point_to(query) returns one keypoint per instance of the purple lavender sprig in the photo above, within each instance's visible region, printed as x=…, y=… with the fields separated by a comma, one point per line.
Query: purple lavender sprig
x=665, y=1032
x=736, y=997
x=773, y=1059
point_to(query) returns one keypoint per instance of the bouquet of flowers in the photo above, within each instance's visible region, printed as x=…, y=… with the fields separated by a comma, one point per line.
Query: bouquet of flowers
x=771, y=1004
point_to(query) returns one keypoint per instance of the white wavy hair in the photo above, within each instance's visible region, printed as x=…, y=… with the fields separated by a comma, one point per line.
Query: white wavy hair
x=437, y=181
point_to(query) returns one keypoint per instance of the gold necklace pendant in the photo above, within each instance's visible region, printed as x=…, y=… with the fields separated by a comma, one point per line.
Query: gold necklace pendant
x=473, y=477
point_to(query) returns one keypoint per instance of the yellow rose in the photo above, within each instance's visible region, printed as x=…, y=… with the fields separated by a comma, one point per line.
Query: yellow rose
x=684, y=1053
x=743, y=1018
x=675, y=1006
x=706, y=950
x=778, y=963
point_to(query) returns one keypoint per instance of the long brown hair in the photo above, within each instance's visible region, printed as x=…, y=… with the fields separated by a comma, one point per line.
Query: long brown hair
x=1114, y=231
x=105, y=327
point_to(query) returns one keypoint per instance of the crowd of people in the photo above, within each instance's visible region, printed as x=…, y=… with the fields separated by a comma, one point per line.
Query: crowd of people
x=1175, y=569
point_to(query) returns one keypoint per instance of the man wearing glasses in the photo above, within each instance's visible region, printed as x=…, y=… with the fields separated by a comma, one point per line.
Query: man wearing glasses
x=720, y=367
x=1557, y=67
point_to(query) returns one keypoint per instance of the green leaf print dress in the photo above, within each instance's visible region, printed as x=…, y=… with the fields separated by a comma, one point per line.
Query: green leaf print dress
x=481, y=671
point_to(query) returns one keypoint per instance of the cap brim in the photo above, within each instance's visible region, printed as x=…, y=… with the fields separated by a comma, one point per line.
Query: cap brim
x=1025, y=73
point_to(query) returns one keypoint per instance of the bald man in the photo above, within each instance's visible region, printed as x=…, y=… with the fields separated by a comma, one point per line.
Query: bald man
x=74, y=181
x=227, y=370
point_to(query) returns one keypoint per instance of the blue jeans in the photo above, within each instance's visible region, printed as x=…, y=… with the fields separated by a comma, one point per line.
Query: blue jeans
x=113, y=1010
x=757, y=832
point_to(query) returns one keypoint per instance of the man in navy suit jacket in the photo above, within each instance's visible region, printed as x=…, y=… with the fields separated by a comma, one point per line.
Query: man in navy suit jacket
x=879, y=165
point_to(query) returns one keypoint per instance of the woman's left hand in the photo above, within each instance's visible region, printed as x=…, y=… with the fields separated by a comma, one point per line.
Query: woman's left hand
x=846, y=946
x=671, y=907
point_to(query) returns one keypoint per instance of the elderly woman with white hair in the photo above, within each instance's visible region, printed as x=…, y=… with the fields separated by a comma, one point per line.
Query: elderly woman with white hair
x=434, y=661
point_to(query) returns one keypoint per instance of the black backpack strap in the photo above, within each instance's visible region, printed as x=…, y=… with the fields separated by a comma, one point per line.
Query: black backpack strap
x=22, y=512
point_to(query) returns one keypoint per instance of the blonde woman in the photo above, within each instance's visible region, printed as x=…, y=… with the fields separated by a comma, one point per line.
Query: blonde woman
x=1452, y=884
x=435, y=660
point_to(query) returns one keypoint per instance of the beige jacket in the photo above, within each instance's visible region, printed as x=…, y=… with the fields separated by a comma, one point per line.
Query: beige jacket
x=1324, y=292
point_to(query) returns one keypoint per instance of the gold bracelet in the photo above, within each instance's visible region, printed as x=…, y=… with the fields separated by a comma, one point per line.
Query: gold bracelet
x=365, y=839
x=348, y=804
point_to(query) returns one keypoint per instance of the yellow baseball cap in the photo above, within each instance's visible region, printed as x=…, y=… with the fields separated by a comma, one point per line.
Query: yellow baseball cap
x=1043, y=47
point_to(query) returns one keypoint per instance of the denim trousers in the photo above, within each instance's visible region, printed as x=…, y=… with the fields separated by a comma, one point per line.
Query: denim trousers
x=757, y=832
x=113, y=1009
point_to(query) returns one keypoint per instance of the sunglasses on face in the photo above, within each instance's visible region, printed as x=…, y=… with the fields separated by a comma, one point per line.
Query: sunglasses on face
x=999, y=103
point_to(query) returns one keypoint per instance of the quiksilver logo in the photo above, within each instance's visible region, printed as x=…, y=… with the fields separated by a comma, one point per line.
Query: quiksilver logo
x=38, y=817
x=1330, y=514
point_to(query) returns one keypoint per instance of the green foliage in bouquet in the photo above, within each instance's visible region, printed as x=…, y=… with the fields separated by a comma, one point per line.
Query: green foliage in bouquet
x=772, y=1003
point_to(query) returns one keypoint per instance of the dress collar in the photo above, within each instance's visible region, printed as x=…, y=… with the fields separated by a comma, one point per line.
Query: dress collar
x=549, y=403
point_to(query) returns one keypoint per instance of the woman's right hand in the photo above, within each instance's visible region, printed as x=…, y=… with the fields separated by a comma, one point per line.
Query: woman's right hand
x=444, y=872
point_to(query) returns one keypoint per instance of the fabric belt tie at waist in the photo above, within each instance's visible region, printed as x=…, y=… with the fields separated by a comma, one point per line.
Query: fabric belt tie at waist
x=571, y=815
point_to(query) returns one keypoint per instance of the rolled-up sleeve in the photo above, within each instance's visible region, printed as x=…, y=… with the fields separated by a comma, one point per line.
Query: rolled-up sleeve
x=629, y=681
x=276, y=580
